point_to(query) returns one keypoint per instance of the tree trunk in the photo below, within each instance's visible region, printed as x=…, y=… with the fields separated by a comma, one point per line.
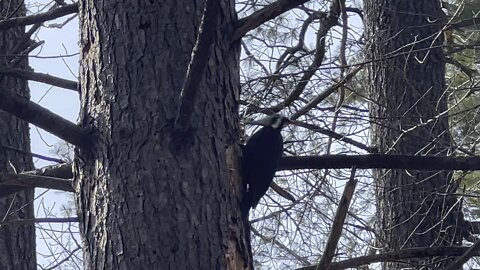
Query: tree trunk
x=409, y=107
x=17, y=243
x=145, y=203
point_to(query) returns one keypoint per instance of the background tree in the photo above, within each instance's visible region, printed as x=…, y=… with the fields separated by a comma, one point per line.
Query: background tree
x=17, y=243
x=410, y=116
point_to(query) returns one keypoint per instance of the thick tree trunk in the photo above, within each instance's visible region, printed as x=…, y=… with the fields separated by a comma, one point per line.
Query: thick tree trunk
x=17, y=244
x=145, y=203
x=409, y=115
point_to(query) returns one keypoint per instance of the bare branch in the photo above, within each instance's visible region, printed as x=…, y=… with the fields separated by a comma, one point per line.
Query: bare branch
x=52, y=177
x=26, y=40
x=338, y=222
x=25, y=52
x=470, y=72
x=326, y=24
x=263, y=15
x=40, y=77
x=463, y=23
x=377, y=161
x=335, y=135
x=39, y=18
x=198, y=62
x=282, y=246
x=40, y=220
x=473, y=227
x=45, y=119
x=63, y=171
x=314, y=102
x=460, y=261
x=282, y=192
x=32, y=154
x=70, y=255
x=34, y=181
x=394, y=256
x=334, y=162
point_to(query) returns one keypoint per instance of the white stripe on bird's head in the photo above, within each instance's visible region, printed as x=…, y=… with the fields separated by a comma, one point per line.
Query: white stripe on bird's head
x=275, y=121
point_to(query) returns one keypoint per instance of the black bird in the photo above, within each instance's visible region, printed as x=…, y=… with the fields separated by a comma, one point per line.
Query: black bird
x=260, y=159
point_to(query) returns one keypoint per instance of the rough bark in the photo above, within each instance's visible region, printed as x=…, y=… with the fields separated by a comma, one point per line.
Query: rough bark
x=144, y=202
x=17, y=243
x=415, y=209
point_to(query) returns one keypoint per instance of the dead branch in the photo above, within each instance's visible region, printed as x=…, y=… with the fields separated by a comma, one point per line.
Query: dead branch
x=63, y=171
x=394, y=256
x=335, y=135
x=27, y=153
x=338, y=222
x=20, y=222
x=40, y=77
x=34, y=181
x=52, y=177
x=379, y=161
x=263, y=15
x=45, y=119
x=39, y=18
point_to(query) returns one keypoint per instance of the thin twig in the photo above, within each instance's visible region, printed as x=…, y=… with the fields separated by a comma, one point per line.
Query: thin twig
x=281, y=246
x=64, y=259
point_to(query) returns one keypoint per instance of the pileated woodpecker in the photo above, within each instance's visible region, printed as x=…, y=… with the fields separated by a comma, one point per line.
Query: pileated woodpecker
x=260, y=159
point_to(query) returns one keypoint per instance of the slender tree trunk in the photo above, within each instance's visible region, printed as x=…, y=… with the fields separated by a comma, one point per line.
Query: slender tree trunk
x=17, y=244
x=407, y=77
x=144, y=203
